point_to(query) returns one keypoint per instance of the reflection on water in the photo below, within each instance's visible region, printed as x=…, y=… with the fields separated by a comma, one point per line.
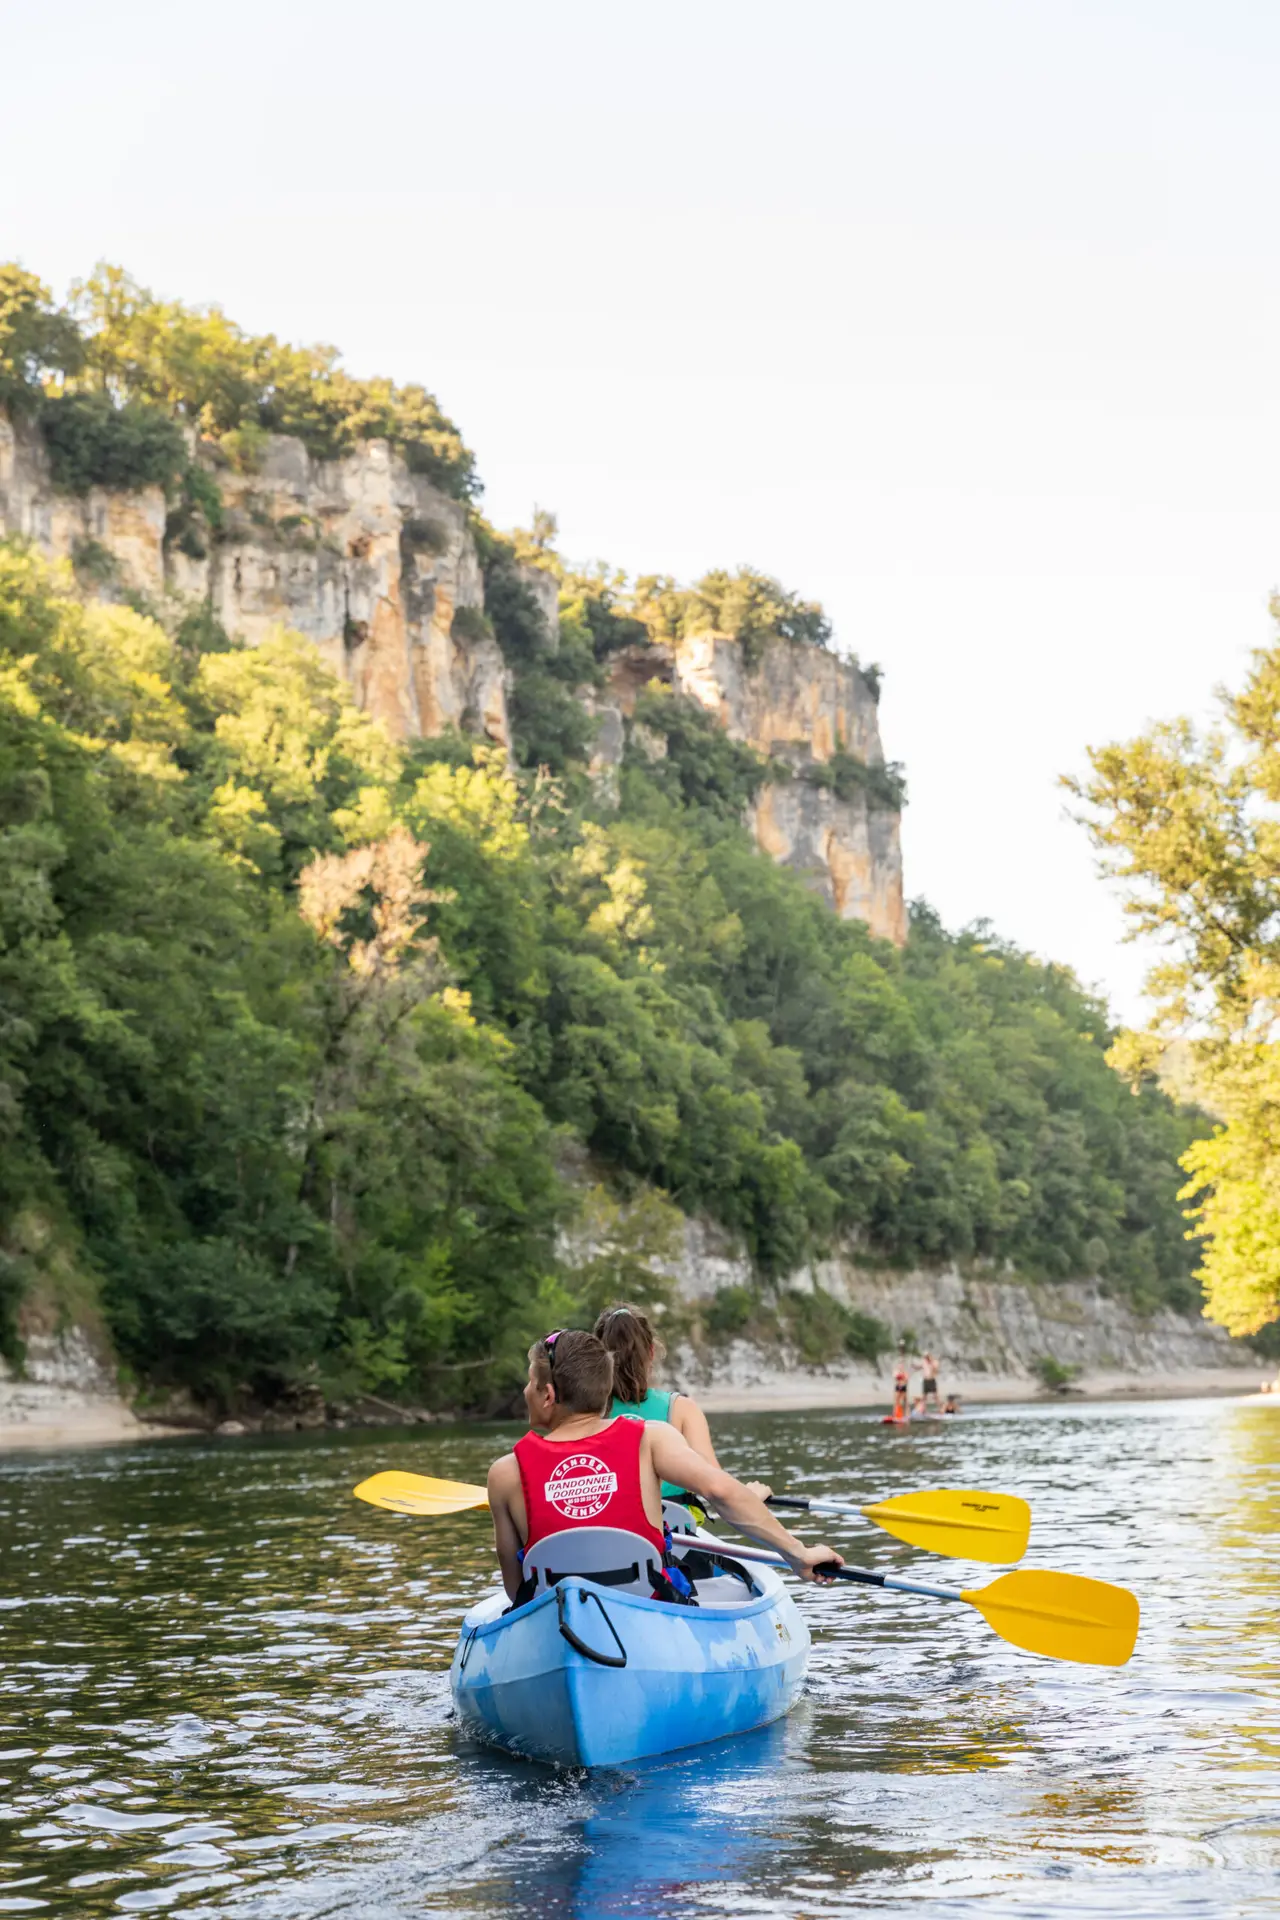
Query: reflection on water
x=223, y=1691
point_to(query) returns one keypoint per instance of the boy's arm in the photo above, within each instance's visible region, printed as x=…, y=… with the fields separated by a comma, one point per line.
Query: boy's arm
x=504, y=1476
x=673, y=1459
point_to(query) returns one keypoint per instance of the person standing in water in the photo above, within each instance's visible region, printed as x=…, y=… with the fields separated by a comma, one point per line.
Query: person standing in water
x=901, y=1382
x=637, y=1350
x=929, y=1385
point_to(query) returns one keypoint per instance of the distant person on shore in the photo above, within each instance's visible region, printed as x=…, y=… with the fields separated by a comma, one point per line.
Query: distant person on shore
x=929, y=1384
x=637, y=1351
x=901, y=1382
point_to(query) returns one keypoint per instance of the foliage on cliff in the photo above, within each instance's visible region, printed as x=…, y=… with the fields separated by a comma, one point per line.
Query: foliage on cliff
x=600, y=613
x=1187, y=822
x=106, y=374
x=297, y=1025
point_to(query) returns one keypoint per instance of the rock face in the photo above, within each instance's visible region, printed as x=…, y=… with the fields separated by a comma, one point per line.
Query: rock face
x=381, y=572
x=126, y=528
x=801, y=706
x=989, y=1333
x=361, y=555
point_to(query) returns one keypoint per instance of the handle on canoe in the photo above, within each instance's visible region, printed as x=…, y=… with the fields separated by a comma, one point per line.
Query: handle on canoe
x=618, y=1659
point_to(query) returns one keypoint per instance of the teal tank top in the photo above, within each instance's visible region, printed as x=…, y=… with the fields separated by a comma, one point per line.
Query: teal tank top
x=655, y=1406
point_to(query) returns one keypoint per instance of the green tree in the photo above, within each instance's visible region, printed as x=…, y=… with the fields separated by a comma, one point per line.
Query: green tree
x=1185, y=821
x=37, y=341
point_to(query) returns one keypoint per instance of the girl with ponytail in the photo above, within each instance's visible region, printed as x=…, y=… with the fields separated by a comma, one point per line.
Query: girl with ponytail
x=637, y=1350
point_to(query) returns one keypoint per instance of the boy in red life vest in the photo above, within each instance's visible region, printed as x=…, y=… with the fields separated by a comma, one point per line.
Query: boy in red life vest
x=577, y=1467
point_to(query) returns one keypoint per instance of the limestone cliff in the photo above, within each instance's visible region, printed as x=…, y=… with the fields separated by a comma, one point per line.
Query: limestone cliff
x=801, y=706
x=362, y=556
x=381, y=571
x=992, y=1332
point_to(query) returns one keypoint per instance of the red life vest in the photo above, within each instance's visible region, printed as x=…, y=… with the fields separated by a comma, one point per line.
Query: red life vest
x=585, y=1483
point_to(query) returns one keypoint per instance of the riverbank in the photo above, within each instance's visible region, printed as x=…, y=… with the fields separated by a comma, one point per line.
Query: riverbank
x=993, y=1339
x=769, y=1391
x=67, y=1397
x=35, y=1416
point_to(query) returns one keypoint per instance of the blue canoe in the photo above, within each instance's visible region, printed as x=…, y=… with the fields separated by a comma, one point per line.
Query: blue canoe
x=587, y=1676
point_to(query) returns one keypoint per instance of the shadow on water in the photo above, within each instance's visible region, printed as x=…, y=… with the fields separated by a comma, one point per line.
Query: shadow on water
x=223, y=1691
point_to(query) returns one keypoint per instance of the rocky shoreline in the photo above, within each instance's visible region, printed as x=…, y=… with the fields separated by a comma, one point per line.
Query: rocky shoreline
x=998, y=1341
x=67, y=1400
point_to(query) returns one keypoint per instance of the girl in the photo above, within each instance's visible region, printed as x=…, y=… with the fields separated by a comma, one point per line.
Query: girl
x=636, y=1349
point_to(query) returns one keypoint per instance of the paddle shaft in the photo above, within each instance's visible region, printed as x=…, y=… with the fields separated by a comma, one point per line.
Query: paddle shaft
x=858, y=1575
x=798, y=1504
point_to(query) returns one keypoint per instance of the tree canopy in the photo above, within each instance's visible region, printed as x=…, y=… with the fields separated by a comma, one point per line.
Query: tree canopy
x=1187, y=822
x=116, y=362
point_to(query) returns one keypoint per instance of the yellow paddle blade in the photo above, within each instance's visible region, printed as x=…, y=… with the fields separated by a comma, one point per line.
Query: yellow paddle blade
x=1062, y=1615
x=414, y=1493
x=959, y=1522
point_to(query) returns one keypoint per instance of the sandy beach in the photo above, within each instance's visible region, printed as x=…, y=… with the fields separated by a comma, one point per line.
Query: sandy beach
x=35, y=1415
x=779, y=1393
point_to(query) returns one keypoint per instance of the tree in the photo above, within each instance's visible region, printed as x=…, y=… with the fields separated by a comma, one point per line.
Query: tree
x=36, y=339
x=1186, y=821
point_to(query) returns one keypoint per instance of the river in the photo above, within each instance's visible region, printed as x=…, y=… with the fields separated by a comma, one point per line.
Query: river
x=223, y=1690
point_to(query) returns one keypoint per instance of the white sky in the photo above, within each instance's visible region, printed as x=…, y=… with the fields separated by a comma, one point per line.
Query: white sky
x=961, y=318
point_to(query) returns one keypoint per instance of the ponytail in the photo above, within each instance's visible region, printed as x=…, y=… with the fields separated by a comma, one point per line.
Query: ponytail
x=630, y=1338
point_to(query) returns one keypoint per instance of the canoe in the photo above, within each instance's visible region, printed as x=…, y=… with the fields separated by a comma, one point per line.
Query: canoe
x=587, y=1676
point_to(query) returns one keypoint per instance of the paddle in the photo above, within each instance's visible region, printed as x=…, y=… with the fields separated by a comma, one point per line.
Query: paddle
x=965, y=1525
x=414, y=1493
x=962, y=1523
x=1063, y=1616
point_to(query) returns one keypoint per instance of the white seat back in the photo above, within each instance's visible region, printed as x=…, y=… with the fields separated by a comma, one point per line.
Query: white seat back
x=678, y=1517
x=594, y=1550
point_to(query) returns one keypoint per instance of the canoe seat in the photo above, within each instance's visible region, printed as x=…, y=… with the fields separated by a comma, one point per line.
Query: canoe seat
x=679, y=1517
x=610, y=1555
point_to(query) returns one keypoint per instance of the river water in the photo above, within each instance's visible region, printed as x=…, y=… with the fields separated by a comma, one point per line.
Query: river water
x=223, y=1690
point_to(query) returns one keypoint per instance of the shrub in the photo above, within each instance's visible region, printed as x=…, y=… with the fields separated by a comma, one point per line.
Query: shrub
x=244, y=446
x=1056, y=1375
x=471, y=625
x=549, y=728
x=866, y=1337
x=94, y=443
x=425, y=536
x=729, y=1311
x=749, y=607
x=95, y=566
x=845, y=775
x=703, y=767
x=195, y=518
x=823, y=1328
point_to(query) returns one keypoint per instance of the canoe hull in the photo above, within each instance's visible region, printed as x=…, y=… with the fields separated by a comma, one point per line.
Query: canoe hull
x=691, y=1674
